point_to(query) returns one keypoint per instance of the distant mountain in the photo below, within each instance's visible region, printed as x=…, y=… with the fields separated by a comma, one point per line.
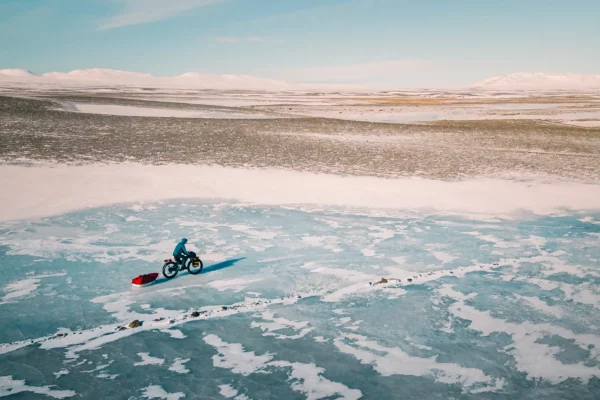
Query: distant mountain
x=97, y=74
x=107, y=77
x=196, y=79
x=18, y=73
x=541, y=80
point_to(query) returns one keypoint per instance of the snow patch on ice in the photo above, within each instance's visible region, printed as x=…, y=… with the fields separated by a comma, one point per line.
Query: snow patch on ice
x=275, y=324
x=227, y=391
x=10, y=386
x=236, y=285
x=540, y=305
x=326, y=242
x=306, y=378
x=61, y=373
x=179, y=366
x=232, y=356
x=23, y=288
x=157, y=392
x=443, y=256
x=535, y=359
x=342, y=321
x=264, y=235
x=174, y=333
x=19, y=289
x=107, y=376
x=147, y=359
x=393, y=361
x=394, y=293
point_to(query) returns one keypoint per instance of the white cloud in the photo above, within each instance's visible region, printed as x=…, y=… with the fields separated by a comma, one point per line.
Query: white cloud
x=260, y=39
x=227, y=39
x=142, y=11
x=352, y=73
x=249, y=39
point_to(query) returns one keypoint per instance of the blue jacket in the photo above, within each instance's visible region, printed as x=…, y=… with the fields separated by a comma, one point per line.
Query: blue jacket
x=180, y=248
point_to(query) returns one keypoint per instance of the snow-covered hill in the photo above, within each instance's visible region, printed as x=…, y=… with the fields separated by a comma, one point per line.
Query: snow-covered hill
x=17, y=73
x=98, y=74
x=541, y=80
x=196, y=80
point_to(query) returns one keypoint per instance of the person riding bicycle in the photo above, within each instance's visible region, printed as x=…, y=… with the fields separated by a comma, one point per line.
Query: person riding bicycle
x=180, y=253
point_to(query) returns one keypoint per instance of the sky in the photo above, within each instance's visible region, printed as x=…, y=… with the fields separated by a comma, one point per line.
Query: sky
x=372, y=42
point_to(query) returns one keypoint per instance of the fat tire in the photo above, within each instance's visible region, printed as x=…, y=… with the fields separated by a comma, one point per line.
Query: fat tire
x=190, y=265
x=166, y=272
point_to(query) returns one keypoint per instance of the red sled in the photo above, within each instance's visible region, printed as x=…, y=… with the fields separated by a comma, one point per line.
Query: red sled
x=144, y=280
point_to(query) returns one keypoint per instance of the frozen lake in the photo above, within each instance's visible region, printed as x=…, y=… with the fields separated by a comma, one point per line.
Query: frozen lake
x=504, y=308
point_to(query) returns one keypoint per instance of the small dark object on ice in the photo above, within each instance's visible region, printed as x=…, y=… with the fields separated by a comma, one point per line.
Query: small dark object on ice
x=195, y=314
x=172, y=321
x=135, y=324
x=409, y=279
x=223, y=308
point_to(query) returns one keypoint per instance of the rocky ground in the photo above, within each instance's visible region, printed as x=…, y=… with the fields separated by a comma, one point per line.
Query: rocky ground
x=40, y=129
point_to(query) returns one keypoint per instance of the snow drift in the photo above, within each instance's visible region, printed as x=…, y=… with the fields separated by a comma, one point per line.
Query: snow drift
x=45, y=190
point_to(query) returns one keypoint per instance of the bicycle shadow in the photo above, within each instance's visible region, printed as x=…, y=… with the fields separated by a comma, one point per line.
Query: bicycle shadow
x=205, y=270
x=221, y=265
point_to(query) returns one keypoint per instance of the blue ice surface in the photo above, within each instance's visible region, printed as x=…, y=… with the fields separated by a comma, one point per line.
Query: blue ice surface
x=335, y=334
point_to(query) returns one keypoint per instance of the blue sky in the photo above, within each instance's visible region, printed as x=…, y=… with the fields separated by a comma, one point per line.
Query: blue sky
x=381, y=42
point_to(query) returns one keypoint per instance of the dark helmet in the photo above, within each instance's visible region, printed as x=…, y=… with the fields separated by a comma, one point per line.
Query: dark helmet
x=184, y=240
